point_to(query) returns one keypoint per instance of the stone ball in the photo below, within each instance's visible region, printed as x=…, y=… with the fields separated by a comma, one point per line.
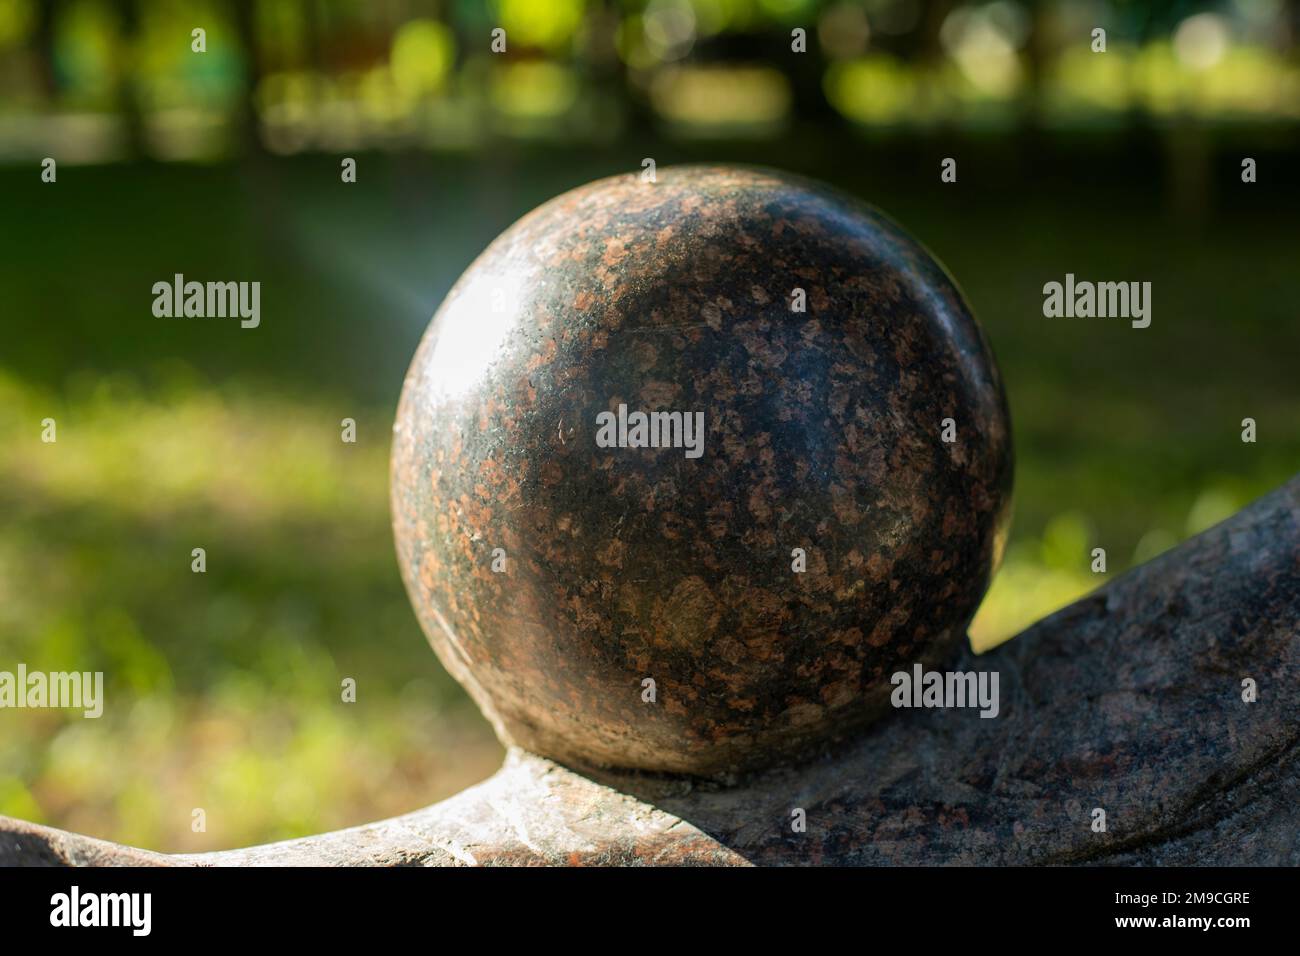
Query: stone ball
x=683, y=471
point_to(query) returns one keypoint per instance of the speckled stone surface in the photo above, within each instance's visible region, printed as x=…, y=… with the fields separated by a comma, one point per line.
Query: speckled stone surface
x=822, y=431
x=1129, y=700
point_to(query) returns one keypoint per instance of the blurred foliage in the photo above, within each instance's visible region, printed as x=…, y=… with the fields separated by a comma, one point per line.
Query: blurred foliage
x=97, y=80
x=223, y=688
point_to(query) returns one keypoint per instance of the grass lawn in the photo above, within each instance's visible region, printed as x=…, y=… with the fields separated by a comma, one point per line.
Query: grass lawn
x=177, y=434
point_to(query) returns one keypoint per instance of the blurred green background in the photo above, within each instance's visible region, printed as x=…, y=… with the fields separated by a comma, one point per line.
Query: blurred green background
x=223, y=688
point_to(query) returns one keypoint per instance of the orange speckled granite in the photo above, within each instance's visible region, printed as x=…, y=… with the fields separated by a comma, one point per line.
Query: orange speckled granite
x=822, y=432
